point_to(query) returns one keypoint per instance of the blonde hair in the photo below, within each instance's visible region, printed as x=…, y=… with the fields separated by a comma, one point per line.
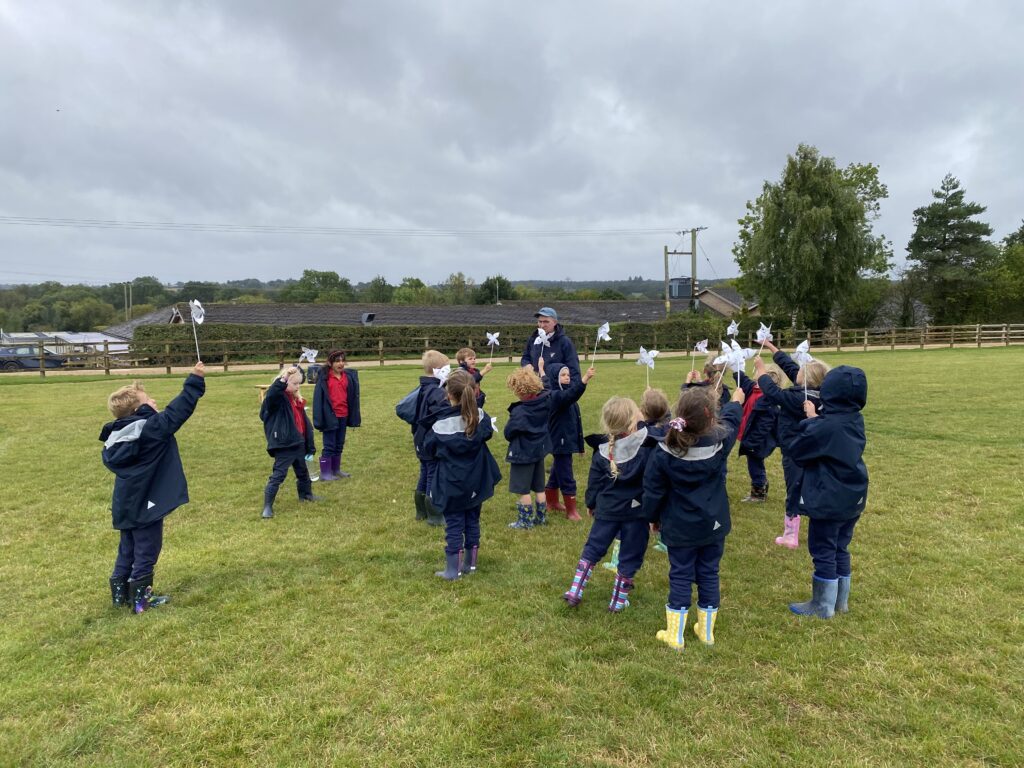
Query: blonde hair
x=618, y=415
x=814, y=373
x=524, y=382
x=698, y=409
x=710, y=369
x=654, y=405
x=463, y=353
x=774, y=373
x=124, y=401
x=462, y=392
x=433, y=359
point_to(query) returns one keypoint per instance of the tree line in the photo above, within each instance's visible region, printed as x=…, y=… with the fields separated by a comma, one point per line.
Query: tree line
x=808, y=253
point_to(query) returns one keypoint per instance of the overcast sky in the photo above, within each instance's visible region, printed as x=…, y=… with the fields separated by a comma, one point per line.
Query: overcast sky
x=269, y=132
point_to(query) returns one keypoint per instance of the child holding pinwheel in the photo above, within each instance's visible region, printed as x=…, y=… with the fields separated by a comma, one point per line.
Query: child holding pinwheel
x=289, y=434
x=335, y=409
x=565, y=426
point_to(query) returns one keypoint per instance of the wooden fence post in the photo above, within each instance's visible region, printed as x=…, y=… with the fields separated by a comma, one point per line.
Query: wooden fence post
x=892, y=340
x=42, y=359
x=952, y=335
x=106, y=357
x=167, y=358
x=1006, y=334
x=924, y=332
x=380, y=350
x=839, y=339
x=865, y=339
x=977, y=335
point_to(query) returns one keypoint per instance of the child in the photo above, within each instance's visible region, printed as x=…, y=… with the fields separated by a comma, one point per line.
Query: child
x=791, y=412
x=711, y=376
x=614, y=491
x=528, y=443
x=685, y=496
x=289, y=437
x=466, y=358
x=758, y=431
x=829, y=448
x=335, y=409
x=431, y=398
x=140, y=449
x=466, y=473
x=566, y=428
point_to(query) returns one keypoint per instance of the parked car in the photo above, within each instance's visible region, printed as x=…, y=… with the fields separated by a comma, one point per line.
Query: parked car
x=25, y=358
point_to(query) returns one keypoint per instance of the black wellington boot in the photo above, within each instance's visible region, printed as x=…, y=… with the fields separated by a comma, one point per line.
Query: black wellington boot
x=142, y=595
x=119, y=591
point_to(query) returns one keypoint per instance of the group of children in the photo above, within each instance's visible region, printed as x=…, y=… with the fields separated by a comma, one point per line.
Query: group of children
x=652, y=469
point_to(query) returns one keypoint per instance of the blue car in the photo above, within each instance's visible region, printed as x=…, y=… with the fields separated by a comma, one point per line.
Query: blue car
x=27, y=358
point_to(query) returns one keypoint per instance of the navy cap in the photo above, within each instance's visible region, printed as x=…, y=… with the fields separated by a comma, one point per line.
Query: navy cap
x=547, y=312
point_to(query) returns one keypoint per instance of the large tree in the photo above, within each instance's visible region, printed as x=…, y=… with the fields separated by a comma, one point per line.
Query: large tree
x=319, y=286
x=952, y=253
x=807, y=238
x=494, y=289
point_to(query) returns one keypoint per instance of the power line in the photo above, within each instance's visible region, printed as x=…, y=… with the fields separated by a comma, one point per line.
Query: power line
x=708, y=260
x=273, y=229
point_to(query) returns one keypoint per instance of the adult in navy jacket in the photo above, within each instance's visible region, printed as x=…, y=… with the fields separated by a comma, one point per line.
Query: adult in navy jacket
x=335, y=409
x=834, y=489
x=289, y=434
x=139, y=447
x=565, y=426
x=559, y=347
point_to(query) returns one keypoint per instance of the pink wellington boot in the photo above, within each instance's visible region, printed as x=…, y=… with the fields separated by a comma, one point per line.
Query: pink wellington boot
x=791, y=533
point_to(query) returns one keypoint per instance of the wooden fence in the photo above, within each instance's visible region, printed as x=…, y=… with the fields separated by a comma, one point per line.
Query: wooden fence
x=627, y=340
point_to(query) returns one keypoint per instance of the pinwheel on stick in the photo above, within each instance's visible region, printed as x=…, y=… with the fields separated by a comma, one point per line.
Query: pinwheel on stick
x=198, y=315
x=647, y=358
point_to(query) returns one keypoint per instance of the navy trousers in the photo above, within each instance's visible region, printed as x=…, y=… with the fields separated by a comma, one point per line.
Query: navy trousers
x=334, y=439
x=755, y=467
x=793, y=474
x=694, y=564
x=827, y=541
x=560, y=476
x=297, y=461
x=634, y=534
x=138, y=551
x=427, y=471
x=461, y=529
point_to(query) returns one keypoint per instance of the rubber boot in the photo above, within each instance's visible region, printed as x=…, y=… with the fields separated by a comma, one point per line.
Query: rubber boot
x=575, y=593
x=704, y=628
x=758, y=494
x=469, y=562
x=268, y=502
x=434, y=517
x=142, y=595
x=823, y=599
x=540, y=513
x=452, y=566
x=119, y=591
x=551, y=496
x=659, y=545
x=326, y=475
x=570, y=509
x=674, y=632
x=525, y=519
x=420, y=500
x=620, y=594
x=309, y=496
x=613, y=564
x=336, y=468
x=790, y=534
x=843, y=595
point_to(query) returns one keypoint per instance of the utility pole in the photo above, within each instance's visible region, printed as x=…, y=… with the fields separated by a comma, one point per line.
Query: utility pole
x=692, y=253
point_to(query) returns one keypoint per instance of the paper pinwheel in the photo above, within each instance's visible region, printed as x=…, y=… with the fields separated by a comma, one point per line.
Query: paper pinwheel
x=802, y=354
x=647, y=357
x=733, y=328
x=764, y=333
x=198, y=315
x=701, y=346
x=542, y=338
x=308, y=355
x=441, y=374
x=492, y=339
x=602, y=332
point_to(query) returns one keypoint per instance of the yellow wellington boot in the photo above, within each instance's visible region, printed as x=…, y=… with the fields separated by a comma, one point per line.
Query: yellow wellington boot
x=674, y=635
x=704, y=628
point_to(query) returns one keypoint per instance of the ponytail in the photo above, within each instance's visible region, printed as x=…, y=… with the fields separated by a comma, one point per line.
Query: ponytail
x=696, y=415
x=462, y=392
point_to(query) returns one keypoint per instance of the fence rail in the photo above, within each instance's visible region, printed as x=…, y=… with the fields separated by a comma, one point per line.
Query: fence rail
x=100, y=356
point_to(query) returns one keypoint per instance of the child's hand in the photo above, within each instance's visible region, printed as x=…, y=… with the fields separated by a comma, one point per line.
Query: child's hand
x=693, y=377
x=809, y=410
x=738, y=396
x=199, y=369
x=590, y=511
x=486, y=369
x=771, y=347
x=655, y=527
x=759, y=366
x=589, y=374
x=540, y=364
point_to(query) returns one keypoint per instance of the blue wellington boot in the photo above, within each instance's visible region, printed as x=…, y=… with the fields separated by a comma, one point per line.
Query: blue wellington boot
x=452, y=566
x=823, y=599
x=843, y=595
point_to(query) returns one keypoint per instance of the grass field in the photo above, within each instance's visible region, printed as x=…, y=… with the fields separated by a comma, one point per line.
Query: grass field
x=322, y=637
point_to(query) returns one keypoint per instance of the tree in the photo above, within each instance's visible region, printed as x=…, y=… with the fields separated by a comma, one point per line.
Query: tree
x=378, y=291
x=1015, y=238
x=493, y=290
x=87, y=314
x=863, y=302
x=457, y=289
x=805, y=241
x=414, y=291
x=316, y=286
x=952, y=254
x=205, y=292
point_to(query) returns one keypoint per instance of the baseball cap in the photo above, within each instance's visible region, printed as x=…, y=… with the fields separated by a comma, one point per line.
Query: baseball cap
x=547, y=312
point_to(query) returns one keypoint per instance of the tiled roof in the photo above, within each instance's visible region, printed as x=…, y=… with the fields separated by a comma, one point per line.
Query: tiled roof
x=507, y=313
x=729, y=294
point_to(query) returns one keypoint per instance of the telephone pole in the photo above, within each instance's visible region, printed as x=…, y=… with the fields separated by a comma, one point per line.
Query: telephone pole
x=692, y=253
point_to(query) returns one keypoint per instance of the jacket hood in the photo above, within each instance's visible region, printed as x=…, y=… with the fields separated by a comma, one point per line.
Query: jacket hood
x=449, y=425
x=121, y=438
x=553, y=371
x=844, y=390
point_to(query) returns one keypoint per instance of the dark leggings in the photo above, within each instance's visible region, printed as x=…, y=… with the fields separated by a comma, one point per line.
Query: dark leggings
x=138, y=551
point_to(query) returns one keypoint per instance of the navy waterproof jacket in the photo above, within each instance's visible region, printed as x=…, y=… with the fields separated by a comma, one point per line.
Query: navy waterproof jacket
x=430, y=400
x=830, y=448
x=466, y=471
x=621, y=497
x=323, y=413
x=790, y=401
x=561, y=350
x=760, y=437
x=686, y=493
x=723, y=398
x=279, y=423
x=142, y=452
x=527, y=429
x=565, y=423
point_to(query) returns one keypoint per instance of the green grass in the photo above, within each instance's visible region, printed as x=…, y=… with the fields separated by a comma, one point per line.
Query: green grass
x=322, y=637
